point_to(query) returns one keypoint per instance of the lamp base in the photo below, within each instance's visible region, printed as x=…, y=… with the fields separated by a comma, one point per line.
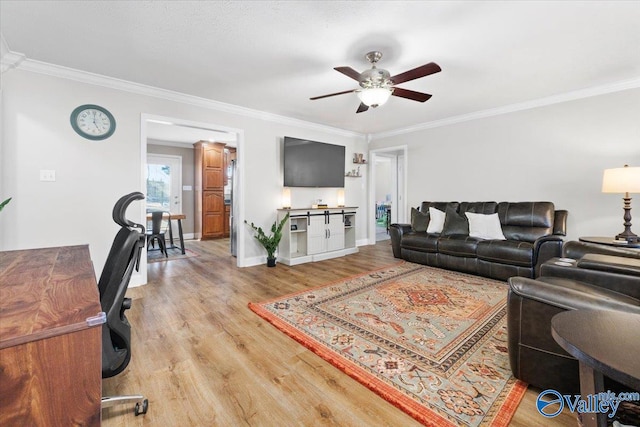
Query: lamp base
x=628, y=236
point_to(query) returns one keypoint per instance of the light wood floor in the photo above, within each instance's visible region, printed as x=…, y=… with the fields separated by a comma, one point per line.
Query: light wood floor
x=204, y=359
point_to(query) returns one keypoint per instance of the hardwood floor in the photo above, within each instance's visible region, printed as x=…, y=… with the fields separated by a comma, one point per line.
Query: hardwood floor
x=202, y=358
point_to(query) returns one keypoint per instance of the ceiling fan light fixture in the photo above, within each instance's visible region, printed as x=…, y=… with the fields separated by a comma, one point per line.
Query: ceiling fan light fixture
x=373, y=97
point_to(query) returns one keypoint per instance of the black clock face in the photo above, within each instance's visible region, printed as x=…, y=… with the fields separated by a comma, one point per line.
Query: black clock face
x=93, y=122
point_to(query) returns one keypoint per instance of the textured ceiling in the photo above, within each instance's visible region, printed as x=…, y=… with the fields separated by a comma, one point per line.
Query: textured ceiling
x=272, y=56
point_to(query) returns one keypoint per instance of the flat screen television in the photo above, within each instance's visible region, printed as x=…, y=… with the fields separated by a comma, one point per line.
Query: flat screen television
x=313, y=164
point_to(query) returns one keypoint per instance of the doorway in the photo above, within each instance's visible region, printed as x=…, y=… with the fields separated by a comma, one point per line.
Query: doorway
x=164, y=185
x=387, y=191
x=184, y=133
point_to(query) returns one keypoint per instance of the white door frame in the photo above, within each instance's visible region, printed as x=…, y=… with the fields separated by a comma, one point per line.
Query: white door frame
x=140, y=278
x=401, y=195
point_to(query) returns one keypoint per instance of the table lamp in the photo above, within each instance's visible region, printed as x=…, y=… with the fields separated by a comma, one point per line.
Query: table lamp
x=623, y=180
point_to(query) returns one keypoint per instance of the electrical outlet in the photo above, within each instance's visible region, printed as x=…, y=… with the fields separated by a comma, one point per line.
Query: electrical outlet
x=47, y=175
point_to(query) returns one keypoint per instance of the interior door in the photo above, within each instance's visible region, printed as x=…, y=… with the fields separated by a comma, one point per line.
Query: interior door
x=164, y=185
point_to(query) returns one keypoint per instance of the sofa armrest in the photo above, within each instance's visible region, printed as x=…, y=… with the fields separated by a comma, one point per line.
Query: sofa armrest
x=396, y=231
x=572, y=294
x=560, y=222
x=544, y=249
x=611, y=264
x=612, y=280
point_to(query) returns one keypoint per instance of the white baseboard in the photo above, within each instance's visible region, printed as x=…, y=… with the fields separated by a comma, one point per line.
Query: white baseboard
x=257, y=260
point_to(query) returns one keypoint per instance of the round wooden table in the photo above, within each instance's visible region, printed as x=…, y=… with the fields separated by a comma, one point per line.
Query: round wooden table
x=609, y=241
x=605, y=343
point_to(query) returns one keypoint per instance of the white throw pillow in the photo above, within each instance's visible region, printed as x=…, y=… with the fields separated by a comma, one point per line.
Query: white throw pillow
x=436, y=223
x=485, y=226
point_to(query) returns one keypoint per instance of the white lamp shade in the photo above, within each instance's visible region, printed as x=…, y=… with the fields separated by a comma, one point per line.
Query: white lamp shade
x=621, y=180
x=374, y=96
x=341, y=197
x=286, y=198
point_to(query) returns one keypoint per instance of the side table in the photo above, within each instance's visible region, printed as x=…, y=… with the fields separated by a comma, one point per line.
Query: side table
x=609, y=241
x=605, y=343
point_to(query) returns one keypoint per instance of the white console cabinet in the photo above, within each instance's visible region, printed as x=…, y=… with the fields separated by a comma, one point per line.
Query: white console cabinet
x=317, y=234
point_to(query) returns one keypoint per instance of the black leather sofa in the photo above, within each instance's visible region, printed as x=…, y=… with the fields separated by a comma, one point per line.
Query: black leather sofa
x=533, y=232
x=592, y=277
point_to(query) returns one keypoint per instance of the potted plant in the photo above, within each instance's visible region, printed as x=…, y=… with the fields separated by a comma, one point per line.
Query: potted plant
x=270, y=242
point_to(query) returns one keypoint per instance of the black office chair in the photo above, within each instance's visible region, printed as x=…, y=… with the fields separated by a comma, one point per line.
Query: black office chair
x=123, y=257
x=157, y=231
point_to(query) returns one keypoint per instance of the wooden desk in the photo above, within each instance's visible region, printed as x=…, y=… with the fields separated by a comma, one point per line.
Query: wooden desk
x=50, y=357
x=179, y=217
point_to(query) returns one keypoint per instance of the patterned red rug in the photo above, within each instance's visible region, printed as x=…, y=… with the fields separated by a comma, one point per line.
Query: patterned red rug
x=430, y=341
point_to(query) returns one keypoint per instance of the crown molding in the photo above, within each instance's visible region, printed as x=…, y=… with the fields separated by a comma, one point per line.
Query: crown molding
x=17, y=60
x=141, y=89
x=8, y=59
x=527, y=105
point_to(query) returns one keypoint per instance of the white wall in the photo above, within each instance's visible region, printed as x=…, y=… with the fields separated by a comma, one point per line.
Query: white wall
x=92, y=175
x=556, y=153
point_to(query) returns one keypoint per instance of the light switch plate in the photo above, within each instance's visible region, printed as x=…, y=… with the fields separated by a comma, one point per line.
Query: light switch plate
x=47, y=175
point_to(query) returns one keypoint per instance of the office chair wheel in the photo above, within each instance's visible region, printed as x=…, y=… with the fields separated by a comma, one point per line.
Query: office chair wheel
x=145, y=406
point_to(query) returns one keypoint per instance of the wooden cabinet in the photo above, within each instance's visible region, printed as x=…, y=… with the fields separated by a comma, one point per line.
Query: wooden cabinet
x=210, y=176
x=317, y=234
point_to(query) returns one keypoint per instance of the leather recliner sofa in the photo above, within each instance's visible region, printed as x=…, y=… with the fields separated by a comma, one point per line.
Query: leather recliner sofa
x=599, y=277
x=533, y=232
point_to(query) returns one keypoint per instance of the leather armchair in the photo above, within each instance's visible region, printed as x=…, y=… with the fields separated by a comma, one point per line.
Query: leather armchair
x=596, y=280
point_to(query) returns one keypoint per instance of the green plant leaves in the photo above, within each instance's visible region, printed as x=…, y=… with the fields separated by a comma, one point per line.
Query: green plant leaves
x=272, y=241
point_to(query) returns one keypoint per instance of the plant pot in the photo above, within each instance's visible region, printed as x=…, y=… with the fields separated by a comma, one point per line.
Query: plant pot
x=271, y=262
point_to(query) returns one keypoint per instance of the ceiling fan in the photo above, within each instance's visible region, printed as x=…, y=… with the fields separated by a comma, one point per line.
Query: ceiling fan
x=376, y=84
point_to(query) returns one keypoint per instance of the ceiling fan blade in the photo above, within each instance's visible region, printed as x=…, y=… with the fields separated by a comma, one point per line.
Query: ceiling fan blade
x=332, y=94
x=410, y=94
x=416, y=73
x=349, y=72
x=362, y=108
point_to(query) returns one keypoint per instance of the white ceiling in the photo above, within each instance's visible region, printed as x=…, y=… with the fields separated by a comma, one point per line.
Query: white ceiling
x=273, y=56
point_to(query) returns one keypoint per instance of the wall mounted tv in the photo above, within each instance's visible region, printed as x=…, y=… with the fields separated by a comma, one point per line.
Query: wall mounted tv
x=313, y=164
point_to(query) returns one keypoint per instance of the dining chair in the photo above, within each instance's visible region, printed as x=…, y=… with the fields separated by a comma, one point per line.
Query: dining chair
x=159, y=226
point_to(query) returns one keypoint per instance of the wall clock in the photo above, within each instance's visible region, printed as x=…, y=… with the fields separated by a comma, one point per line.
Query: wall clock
x=93, y=122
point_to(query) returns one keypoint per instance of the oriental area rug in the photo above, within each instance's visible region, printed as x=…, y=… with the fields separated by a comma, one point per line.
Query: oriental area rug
x=430, y=341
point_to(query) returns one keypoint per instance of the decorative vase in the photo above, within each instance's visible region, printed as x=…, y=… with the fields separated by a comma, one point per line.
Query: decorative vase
x=271, y=262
